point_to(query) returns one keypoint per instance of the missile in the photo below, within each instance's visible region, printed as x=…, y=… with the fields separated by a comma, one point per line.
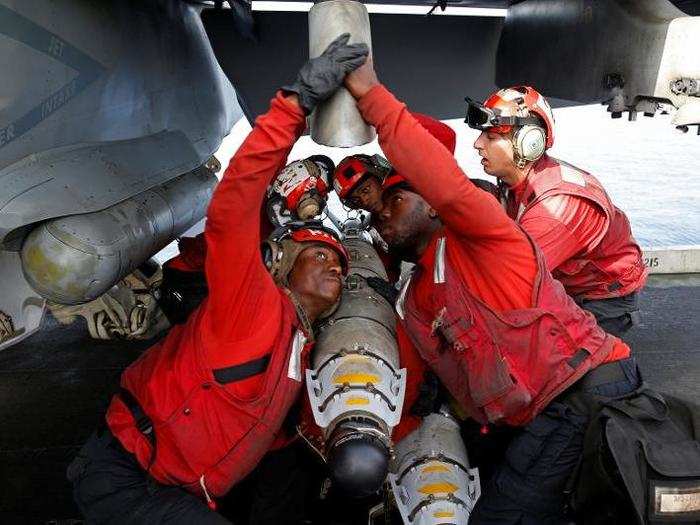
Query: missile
x=356, y=386
x=430, y=475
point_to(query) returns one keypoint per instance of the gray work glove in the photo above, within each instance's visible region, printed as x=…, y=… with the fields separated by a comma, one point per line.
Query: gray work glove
x=320, y=77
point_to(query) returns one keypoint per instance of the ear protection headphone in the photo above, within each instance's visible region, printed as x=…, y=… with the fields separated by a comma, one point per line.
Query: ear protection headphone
x=272, y=249
x=272, y=254
x=529, y=140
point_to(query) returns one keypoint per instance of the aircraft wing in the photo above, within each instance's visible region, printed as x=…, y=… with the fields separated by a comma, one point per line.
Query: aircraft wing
x=626, y=54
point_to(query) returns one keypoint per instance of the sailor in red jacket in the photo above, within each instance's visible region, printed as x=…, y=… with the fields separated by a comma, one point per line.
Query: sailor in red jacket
x=586, y=240
x=197, y=411
x=360, y=180
x=486, y=316
x=305, y=186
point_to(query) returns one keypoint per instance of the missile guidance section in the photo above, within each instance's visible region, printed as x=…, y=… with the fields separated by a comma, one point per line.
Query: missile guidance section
x=356, y=387
x=431, y=479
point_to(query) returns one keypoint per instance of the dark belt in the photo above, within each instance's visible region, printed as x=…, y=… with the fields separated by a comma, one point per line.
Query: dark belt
x=578, y=396
x=143, y=421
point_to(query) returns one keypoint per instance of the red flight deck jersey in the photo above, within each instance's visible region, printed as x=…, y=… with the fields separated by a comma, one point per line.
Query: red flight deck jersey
x=497, y=264
x=586, y=240
x=563, y=226
x=218, y=388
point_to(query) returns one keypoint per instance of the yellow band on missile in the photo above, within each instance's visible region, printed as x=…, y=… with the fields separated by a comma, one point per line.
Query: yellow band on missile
x=443, y=514
x=435, y=468
x=438, y=488
x=361, y=379
x=357, y=401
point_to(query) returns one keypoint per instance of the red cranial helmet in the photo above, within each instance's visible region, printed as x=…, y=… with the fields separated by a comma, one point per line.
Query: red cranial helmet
x=284, y=245
x=324, y=236
x=512, y=107
x=354, y=169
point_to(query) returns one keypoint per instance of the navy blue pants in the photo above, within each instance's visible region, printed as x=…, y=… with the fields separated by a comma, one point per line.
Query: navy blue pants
x=615, y=315
x=109, y=486
x=529, y=484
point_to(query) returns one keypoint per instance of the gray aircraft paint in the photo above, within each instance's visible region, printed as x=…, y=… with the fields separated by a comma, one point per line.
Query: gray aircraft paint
x=105, y=100
x=21, y=29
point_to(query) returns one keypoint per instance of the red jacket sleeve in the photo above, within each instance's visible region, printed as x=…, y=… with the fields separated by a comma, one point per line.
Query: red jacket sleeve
x=244, y=304
x=432, y=170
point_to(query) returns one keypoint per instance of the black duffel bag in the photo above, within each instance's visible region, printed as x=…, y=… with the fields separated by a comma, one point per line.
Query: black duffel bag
x=641, y=461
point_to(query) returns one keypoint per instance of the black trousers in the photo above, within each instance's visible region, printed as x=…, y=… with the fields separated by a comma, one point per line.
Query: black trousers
x=529, y=484
x=615, y=315
x=109, y=486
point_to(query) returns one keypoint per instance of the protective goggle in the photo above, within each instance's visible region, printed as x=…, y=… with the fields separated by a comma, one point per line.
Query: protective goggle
x=483, y=118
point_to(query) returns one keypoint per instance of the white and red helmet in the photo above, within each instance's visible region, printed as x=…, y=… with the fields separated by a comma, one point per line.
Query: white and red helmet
x=302, y=186
x=512, y=107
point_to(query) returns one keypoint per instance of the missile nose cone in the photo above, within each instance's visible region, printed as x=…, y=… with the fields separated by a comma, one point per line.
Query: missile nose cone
x=358, y=465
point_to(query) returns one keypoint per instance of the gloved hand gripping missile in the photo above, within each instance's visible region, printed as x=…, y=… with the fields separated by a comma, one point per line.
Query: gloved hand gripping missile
x=320, y=77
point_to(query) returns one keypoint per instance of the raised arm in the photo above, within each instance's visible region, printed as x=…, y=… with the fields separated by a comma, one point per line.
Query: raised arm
x=236, y=276
x=240, y=288
x=432, y=170
x=426, y=164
